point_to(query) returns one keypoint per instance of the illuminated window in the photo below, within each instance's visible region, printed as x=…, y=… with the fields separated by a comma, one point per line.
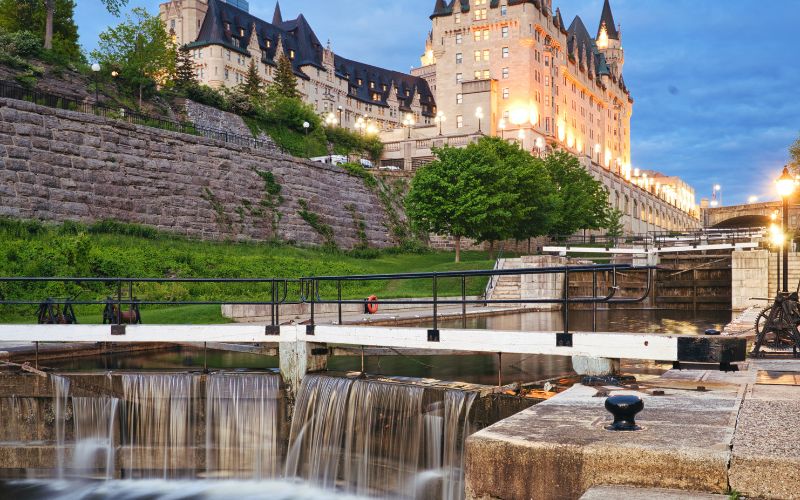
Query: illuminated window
x=506, y=93
x=459, y=38
x=477, y=75
x=485, y=34
x=459, y=58
x=486, y=55
x=235, y=42
x=477, y=55
x=268, y=43
x=458, y=18
x=372, y=85
x=227, y=26
x=480, y=14
x=505, y=52
x=241, y=31
x=359, y=82
x=486, y=74
x=503, y=10
x=291, y=55
x=477, y=35
x=376, y=96
x=459, y=77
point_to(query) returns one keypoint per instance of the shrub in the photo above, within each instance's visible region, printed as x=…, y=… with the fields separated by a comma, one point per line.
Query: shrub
x=205, y=95
x=357, y=170
x=291, y=113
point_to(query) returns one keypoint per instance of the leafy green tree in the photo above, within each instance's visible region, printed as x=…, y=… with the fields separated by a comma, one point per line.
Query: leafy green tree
x=583, y=201
x=113, y=6
x=32, y=15
x=614, y=226
x=252, y=86
x=141, y=48
x=285, y=82
x=185, y=76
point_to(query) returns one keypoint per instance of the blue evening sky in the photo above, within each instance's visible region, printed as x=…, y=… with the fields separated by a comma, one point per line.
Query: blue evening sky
x=715, y=82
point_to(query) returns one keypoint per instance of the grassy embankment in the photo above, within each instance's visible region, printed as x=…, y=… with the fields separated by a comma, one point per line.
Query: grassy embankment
x=109, y=249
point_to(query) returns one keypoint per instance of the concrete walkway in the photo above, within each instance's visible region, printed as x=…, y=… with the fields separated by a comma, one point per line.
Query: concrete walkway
x=703, y=431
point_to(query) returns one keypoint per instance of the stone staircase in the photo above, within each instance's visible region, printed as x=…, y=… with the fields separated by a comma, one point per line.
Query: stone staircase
x=506, y=288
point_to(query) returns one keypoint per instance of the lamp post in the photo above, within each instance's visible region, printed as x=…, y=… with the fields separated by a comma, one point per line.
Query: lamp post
x=306, y=125
x=502, y=126
x=440, y=118
x=96, y=71
x=479, y=116
x=361, y=124
x=341, y=110
x=408, y=122
x=716, y=195
x=785, y=184
x=776, y=238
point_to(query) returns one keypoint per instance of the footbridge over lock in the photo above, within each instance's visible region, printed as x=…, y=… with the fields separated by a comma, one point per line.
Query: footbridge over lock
x=304, y=347
x=748, y=215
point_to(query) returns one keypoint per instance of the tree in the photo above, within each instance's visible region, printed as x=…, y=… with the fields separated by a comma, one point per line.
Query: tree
x=252, y=86
x=140, y=47
x=113, y=6
x=794, y=152
x=285, y=83
x=185, y=75
x=30, y=15
x=488, y=191
x=583, y=202
x=614, y=226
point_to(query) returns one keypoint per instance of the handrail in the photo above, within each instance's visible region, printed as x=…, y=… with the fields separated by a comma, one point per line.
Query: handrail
x=309, y=290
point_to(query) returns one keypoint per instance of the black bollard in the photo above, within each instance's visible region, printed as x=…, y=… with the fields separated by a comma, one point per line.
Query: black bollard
x=624, y=409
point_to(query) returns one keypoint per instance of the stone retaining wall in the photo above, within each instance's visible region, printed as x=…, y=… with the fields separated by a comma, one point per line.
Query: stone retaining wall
x=61, y=165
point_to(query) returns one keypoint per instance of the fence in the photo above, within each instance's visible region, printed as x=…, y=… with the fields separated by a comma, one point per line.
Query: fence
x=12, y=91
x=329, y=290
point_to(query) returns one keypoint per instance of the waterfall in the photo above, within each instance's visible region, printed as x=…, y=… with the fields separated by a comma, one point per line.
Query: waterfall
x=94, y=420
x=60, y=394
x=159, y=424
x=242, y=428
x=379, y=438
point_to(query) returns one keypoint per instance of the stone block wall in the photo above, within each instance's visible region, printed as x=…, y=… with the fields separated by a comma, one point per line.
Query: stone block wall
x=58, y=165
x=749, y=278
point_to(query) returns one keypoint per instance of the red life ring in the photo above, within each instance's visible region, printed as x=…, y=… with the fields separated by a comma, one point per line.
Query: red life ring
x=372, y=304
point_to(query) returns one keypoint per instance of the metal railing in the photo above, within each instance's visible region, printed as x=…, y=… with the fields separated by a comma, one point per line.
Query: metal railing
x=661, y=239
x=13, y=91
x=318, y=290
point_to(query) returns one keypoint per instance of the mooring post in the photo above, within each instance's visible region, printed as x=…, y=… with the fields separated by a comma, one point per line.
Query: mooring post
x=590, y=365
x=298, y=358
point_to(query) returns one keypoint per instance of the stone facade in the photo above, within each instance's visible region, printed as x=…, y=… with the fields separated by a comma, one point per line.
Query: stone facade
x=61, y=165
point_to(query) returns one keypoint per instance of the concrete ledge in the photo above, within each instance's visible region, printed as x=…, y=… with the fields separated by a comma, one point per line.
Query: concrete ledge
x=559, y=449
x=630, y=493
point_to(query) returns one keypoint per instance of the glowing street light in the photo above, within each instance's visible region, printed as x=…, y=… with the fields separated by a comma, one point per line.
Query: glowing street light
x=330, y=119
x=96, y=71
x=440, y=118
x=752, y=199
x=479, y=116
x=785, y=185
x=521, y=137
x=408, y=122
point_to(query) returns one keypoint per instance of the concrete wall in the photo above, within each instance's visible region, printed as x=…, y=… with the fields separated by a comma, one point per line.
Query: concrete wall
x=59, y=165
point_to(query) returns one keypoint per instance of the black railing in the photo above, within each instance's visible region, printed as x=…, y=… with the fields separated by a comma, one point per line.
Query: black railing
x=660, y=239
x=319, y=290
x=13, y=91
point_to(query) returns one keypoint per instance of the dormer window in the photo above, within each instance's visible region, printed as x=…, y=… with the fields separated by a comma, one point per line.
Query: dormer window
x=241, y=31
x=376, y=96
x=227, y=26
x=291, y=54
x=383, y=87
x=408, y=93
x=359, y=82
x=268, y=43
x=371, y=85
x=235, y=42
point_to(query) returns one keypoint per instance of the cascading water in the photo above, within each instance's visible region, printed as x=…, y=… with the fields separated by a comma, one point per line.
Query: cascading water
x=379, y=438
x=60, y=394
x=242, y=427
x=94, y=420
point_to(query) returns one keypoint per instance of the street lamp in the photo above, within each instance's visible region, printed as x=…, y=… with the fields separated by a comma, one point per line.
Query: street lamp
x=502, y=126
x=785, y=184
x=408, y=122
x=479, y=116
x=306, y=125
x=752, y=199
x=96, y=71
x=716, y=194
x=361, y=124
x=341, y=109
x=330, y=119
x=440, y=118
x=539, y=144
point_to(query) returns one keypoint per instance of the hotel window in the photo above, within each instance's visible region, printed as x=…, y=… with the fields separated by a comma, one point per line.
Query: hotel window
x=458, y=18
x=486, y=74
x=480, y=14
x=235, y=42
x=459, y=77
x=372, y=85
x=503, y=10
x=459, y=38
x=376, y=96
x=226, y=73
x=477, y=55
x=172, y=24
x=241, y=31
x=291, y=54
x=480, y=2
x=228, y=54
x=459, y=58
x=504, y=31
x=477, y=75
x=486, y=55
x=547, y=82
x=505, y=73
x=268, y=43
x=384, y=87
x=477, y=35
x=505, y=52
x=459, y=98
x=506, y=93
x=485, y=34
x=227, y=26
x=459, y=121
x=359, y=82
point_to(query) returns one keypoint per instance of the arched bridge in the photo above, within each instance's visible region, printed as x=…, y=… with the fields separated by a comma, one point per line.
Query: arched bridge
x=749, y=215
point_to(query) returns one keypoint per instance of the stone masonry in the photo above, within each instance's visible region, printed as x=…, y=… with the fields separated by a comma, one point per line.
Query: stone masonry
x=61, y=165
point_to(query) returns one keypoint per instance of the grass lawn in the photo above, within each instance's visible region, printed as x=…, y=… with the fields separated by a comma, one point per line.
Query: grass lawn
x=72, y=250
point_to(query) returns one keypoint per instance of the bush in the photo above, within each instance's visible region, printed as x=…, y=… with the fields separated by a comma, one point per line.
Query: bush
x=204, y=94
x=357, y=170
x=21, y=43
x=291, y=113
x=346, y=142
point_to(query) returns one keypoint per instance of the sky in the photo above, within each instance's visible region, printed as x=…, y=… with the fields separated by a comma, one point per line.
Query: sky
x=714, y=82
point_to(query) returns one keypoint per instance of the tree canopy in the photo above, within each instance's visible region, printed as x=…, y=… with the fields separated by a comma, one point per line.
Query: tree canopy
x=31, y=15
x=185, y=76
x=794, y=153
x=492, y=190
x=140, y=48
x=285, y=82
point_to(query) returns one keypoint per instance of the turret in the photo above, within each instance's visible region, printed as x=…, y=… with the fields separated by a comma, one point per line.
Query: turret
x=609, y=40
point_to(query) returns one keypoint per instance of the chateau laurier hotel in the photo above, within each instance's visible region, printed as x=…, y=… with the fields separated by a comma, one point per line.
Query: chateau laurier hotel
x=510, y=68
